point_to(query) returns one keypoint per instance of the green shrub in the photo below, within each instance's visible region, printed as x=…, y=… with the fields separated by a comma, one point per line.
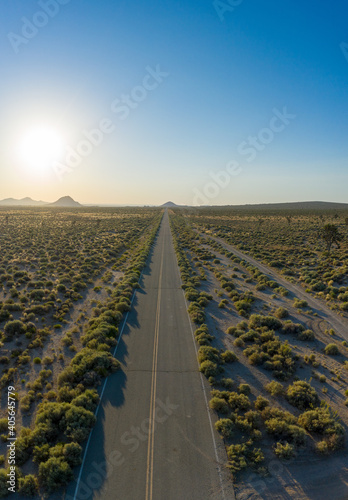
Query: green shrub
x=225, y=426
x=258, y=321
x=261, y=403
x=243, y=455
x=3, y=483
x=239, y=342
x=219, y=405
x=28, y=486
x=238, y=401
x=208, y=353
x=284, y=451
x=244, y=389
x=3, y=424
x=281, y=313
x=275, y=388
x=14, y=328
x=302, y=395
x=54, y=474
x=209, y=369
x=88, y=399
x=227, y=383
x=300, y=303
x=306, y=335
x=331, y=349
x=322, y=448
x=229, y=356
x=321, y=421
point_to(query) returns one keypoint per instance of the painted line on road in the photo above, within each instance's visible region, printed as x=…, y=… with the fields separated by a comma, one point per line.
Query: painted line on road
x=151, y=441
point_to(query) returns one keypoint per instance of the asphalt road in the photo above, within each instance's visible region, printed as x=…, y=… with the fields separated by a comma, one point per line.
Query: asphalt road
x=154, y=438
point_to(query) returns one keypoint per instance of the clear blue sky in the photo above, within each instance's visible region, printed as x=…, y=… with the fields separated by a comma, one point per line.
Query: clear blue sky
x=223, y=81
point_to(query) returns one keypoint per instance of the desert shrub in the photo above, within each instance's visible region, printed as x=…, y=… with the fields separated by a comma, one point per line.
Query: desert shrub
x=322, y=447
x=238, y=401
x=292, y=328
x=207, y=353
x=75, y=421
x=54, y=474
x=3, y=483
x=14, y=328
x=250, y=336
x=227, y=383
x=300, y=303
x=225, y=426
x=88, y=399
x=243, y=455
x=3, y=424
x=272, y=412
x=219, y=405
x=261, y=403
x=285, y=450
x=87, y=367
x=72, y=454
x=275, y=388
x=209, y=369
x=239, y=342
x=283, y=430
x=331, y=349
x=41, y=453
x=28, y=485
x=229, y=356
x=244, y=389
x=203, y=336
x=281, y=313
x=78, y=423
x=196, y=313
x=302, y=395
x=306, y=335
x=321, y=421
x=257, y=321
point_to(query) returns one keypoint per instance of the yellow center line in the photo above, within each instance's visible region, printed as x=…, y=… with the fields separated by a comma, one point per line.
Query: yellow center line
x=150, y=447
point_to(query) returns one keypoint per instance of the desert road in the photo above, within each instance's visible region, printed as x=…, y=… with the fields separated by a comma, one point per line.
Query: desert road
x=155, y=437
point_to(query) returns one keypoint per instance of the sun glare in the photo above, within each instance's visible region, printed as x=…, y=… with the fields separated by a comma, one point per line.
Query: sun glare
x=39, y=148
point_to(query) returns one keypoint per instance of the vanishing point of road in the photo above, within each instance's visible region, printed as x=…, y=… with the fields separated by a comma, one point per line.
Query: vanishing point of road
x=154, y=438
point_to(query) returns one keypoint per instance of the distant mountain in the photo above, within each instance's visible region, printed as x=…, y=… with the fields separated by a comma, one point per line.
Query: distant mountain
x=24, y=202
x=170, y=204
x=65, y=201
x=297, y=205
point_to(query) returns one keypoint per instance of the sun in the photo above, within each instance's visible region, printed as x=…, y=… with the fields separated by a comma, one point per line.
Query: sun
x=39, y=148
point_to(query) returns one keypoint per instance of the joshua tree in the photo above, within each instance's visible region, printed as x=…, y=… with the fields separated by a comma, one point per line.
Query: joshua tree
x=331, y=235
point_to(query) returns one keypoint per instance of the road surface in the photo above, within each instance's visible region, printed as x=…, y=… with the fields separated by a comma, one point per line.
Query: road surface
x=154, y=438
